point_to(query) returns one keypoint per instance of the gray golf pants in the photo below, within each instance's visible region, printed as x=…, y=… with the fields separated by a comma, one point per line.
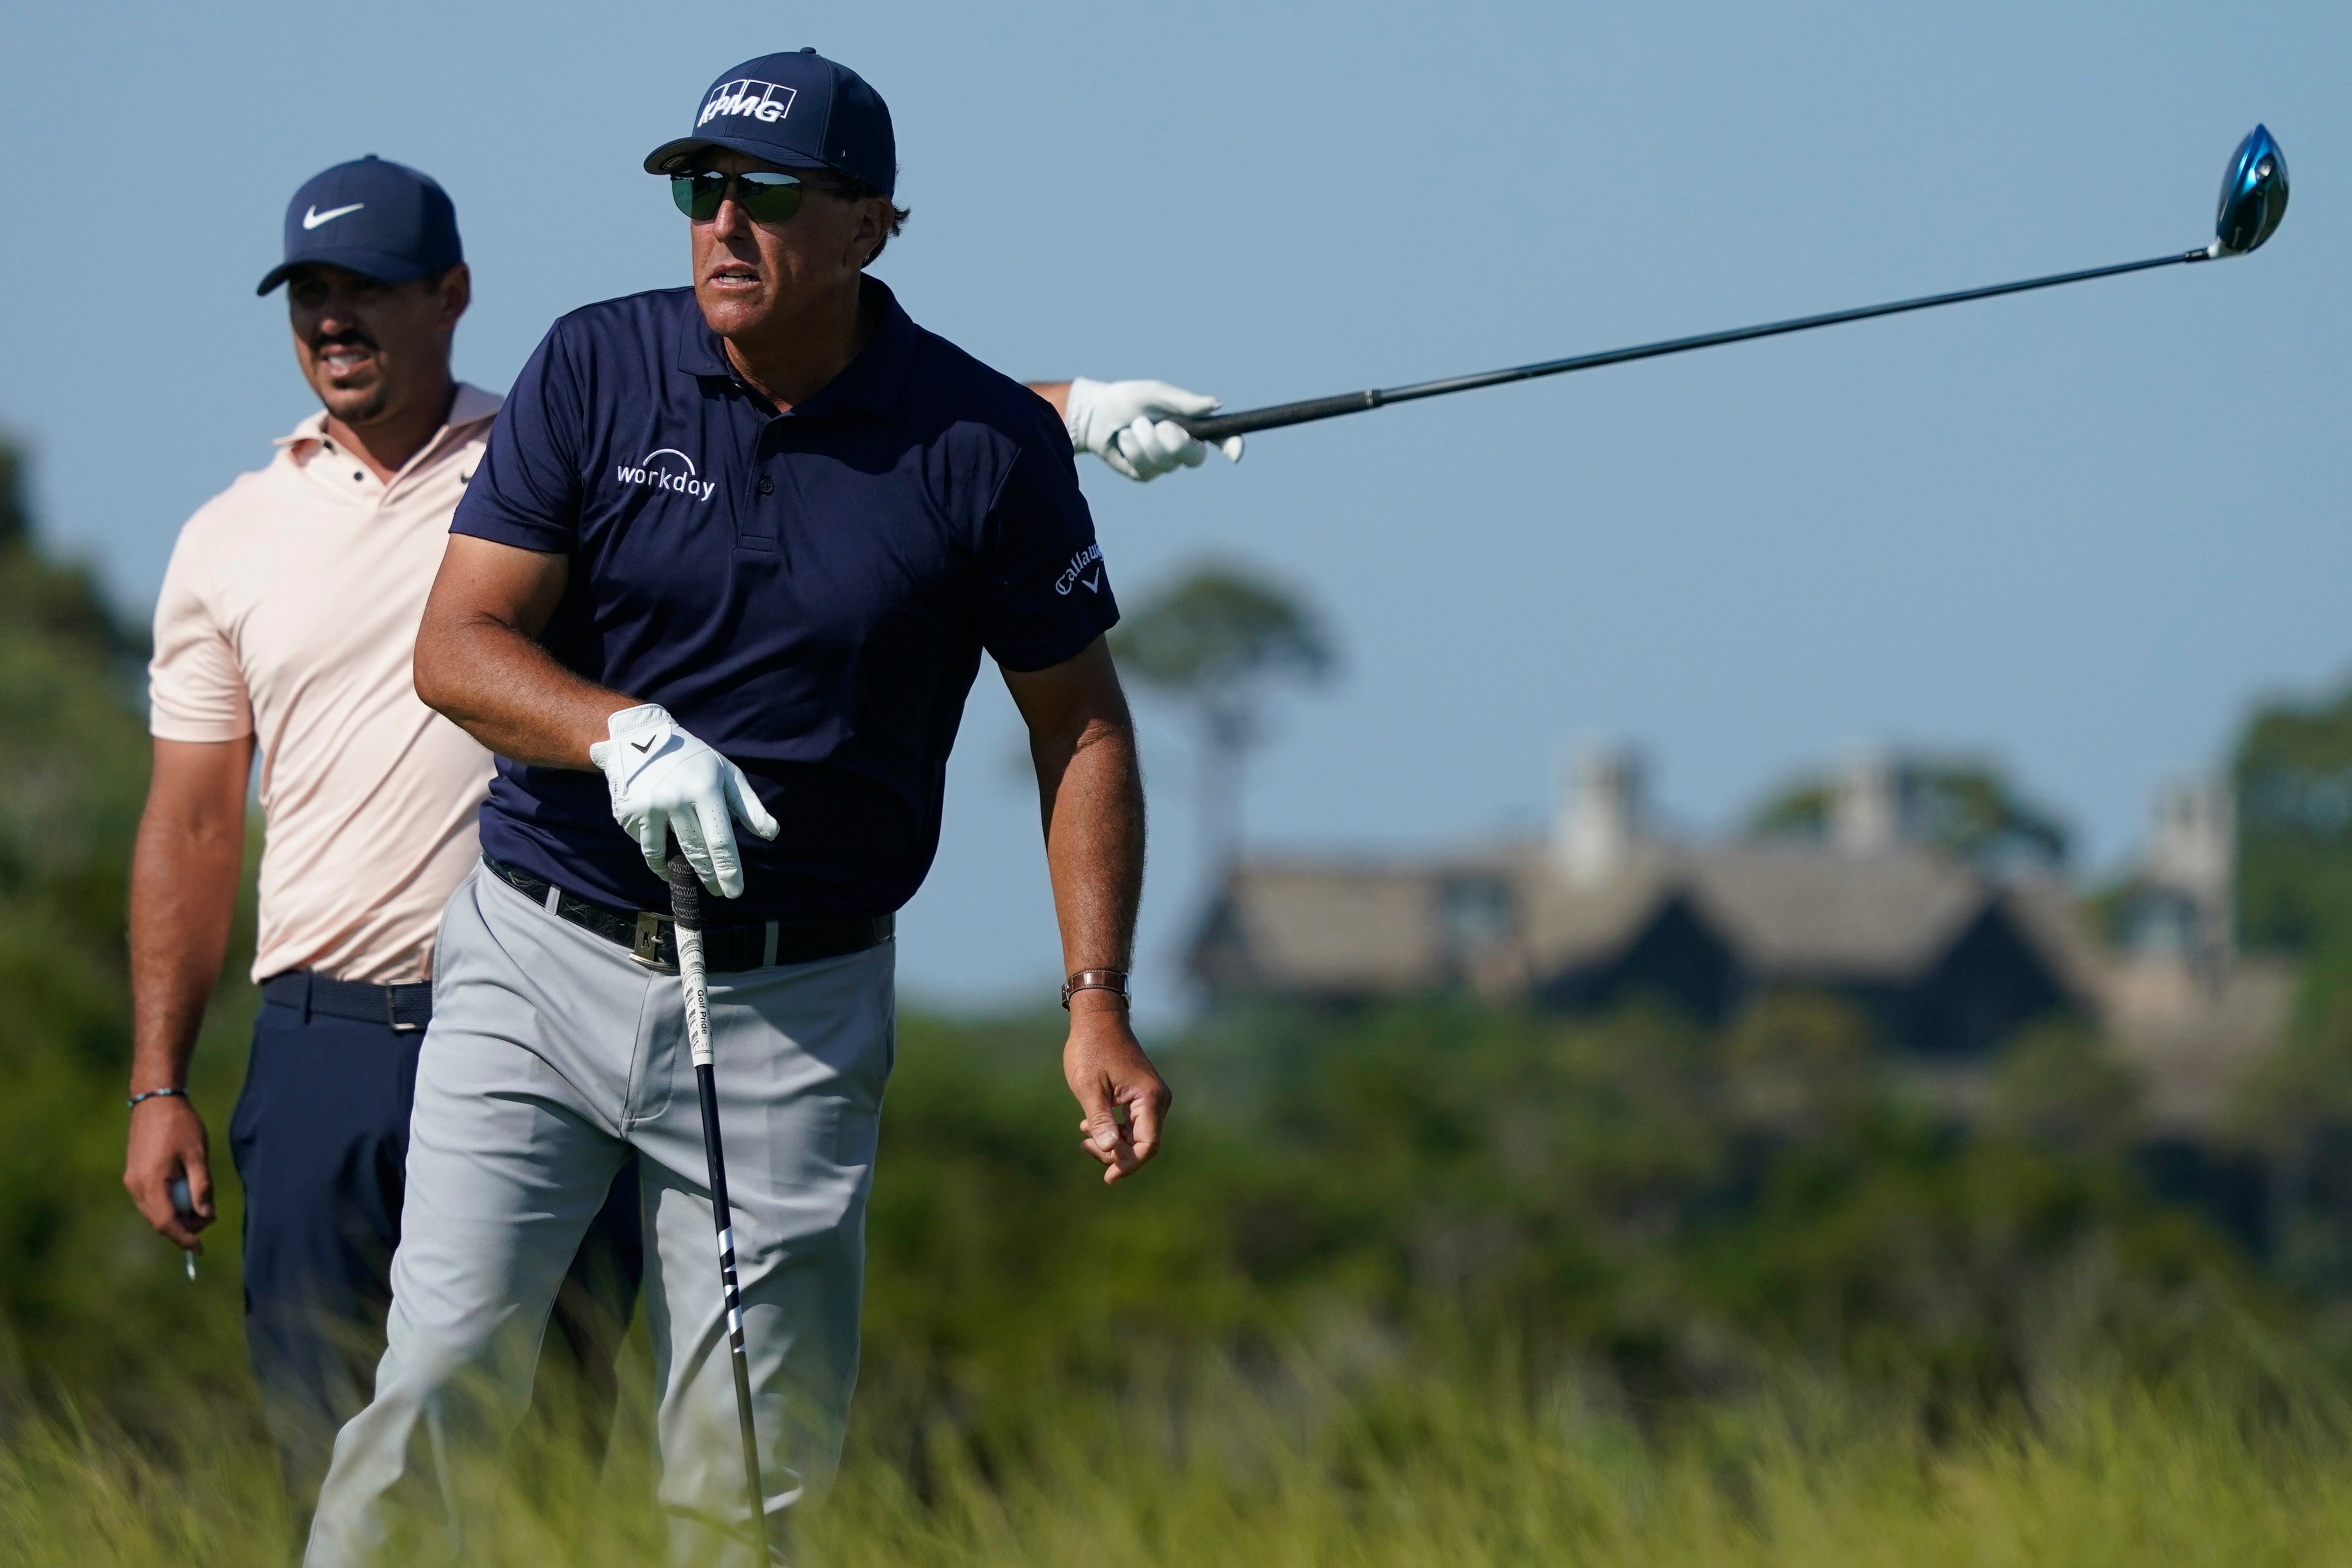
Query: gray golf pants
x=551, y=1054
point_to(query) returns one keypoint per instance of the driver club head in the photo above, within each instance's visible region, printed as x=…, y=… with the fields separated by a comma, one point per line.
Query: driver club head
x=2254, y=195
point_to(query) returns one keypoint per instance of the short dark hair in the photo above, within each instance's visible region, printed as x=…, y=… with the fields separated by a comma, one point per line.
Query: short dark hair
x=850, y=188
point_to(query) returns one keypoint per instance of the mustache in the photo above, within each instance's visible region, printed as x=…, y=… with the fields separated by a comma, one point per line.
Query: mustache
x=350, y=337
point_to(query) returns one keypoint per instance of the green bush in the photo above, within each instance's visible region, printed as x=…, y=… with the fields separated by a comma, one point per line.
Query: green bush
x=90, y=1301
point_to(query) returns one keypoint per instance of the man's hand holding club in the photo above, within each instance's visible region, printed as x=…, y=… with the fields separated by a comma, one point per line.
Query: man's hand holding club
x=1127, y=424
x=665, y=782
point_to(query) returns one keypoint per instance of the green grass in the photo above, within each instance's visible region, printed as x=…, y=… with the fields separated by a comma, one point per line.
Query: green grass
x=1285, y=1473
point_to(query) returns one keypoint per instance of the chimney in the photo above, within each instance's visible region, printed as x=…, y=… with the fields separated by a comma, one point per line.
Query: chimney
x=2192, y=849
x=1601, y=819
x=1866, y=805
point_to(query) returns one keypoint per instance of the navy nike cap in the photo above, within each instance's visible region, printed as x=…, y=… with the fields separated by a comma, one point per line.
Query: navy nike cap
x=379, y=219
x=798, y=110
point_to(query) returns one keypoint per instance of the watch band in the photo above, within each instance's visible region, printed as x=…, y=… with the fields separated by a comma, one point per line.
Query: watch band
x=1112, y=980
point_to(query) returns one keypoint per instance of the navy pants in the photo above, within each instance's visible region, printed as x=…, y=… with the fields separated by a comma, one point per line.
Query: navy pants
x=320, y=1141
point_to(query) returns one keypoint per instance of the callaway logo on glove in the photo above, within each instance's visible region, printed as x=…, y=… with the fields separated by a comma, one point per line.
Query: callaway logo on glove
x=665, y=782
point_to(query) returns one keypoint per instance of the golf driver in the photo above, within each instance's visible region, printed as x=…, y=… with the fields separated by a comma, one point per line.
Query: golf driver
x=686, y=906
x=2253, y=199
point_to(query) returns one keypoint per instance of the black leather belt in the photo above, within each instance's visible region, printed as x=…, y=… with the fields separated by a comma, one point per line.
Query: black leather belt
x=726, y=950
x=404, y=1008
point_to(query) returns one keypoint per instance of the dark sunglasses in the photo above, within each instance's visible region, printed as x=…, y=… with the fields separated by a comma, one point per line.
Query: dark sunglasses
x=765, y=196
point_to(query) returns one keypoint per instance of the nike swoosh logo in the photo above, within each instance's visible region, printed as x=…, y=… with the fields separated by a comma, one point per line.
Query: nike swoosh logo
x=314, y=217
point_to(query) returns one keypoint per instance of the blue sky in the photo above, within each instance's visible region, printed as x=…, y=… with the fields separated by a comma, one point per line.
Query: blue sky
x=2079, y=531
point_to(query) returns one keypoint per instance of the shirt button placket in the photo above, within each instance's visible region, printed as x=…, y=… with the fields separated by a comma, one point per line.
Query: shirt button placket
x=758, y=528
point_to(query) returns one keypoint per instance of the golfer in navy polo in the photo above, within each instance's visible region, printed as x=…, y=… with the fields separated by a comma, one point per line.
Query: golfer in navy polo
x=724, y=577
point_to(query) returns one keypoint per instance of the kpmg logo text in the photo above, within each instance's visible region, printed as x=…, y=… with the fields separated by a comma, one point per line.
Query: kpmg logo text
x=763, y=100
x=667, y=468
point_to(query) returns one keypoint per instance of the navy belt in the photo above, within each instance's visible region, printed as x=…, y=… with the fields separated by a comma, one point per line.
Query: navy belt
x=726, y=950
x=402, y=1009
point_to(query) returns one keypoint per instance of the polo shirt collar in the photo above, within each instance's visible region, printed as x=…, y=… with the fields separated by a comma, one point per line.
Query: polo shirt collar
x=871, y=385
x=470, y=412
x=472, y=405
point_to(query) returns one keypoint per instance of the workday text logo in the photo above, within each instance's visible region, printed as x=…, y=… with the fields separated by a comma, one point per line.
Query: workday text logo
x=763, y=100
x=667, y=468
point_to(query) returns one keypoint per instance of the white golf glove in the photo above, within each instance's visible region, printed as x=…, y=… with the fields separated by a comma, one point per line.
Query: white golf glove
x=1122, y=422
x=664, y=781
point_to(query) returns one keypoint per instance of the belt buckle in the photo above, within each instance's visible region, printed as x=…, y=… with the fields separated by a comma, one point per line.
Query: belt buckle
x=647, y=947
x=392, y=1014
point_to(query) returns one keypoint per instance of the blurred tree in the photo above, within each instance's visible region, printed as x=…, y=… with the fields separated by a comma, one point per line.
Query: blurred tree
x=2294, y=776
x=1666, y=1209
x=1968, y=809
x=2293, y=1109
x=1797, y=1064
x=88, y=1296
x=2060, y=1088
x=1218, y=640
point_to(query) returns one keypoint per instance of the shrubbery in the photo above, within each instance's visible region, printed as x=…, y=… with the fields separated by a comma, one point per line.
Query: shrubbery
x=1665, y=1214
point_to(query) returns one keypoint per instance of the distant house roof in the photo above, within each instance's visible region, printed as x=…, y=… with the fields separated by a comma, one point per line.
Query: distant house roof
x=1337, y=930
x=1948, y=957
x=1793, y=913
x=1806, y=914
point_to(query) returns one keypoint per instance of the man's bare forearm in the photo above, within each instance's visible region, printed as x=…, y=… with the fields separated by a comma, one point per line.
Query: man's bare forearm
x=1090, y=794
x=183, y=874
x=479, y=662
x=1090, y=791
x=504, y=689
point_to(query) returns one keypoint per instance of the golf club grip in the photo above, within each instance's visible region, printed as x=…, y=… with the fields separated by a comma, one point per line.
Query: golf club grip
x=1217, y=427
x=685, y=892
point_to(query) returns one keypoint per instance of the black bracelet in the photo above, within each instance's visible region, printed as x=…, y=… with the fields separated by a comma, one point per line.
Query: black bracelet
x=133, y=1104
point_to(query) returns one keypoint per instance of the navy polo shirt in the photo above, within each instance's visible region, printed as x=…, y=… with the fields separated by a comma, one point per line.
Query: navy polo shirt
x=809, y=592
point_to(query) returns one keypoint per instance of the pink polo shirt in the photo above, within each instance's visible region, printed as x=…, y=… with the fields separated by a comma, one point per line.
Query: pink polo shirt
x=289, y=614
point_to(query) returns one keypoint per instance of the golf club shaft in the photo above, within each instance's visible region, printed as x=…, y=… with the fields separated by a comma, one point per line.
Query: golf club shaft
x=1217, y=427
x=686, y=906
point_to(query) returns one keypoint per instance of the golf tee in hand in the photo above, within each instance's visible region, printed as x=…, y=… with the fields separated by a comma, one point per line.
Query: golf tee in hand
x=665, y=781
x=167, y=1169
x=183, y=1208
x=1126, y=424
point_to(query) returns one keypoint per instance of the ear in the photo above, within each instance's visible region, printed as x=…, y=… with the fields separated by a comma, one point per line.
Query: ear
x=873, y=229
x=457, y=290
